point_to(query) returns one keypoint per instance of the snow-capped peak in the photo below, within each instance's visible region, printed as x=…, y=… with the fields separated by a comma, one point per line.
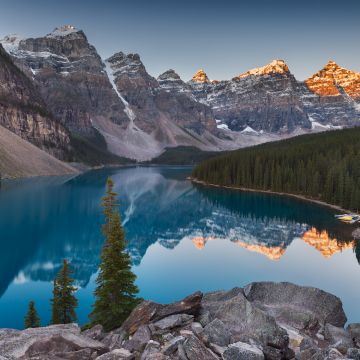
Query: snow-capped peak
x=275, y=67
x=63, y=31
x=11, y=42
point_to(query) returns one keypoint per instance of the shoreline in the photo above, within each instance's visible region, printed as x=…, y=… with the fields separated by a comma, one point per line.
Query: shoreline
x=270, y=192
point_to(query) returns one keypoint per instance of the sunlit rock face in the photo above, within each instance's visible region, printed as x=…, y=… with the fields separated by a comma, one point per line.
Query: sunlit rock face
x=270, y=99
x=275, y=67
x=334, y=80
x=331, y=97
x=321, y=241
x=200, y=77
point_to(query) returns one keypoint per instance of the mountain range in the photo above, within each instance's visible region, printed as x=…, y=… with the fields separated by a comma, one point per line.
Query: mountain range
x=60, y=95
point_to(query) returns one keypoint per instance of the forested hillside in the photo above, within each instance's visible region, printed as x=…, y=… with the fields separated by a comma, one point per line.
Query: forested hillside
x=322, y=166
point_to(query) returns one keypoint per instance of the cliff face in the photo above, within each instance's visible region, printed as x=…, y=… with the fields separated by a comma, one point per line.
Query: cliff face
x=70, y=76
x=23, y=111
x=116, y=99
x=150, y=102
x=266, y=99
x=116, y=106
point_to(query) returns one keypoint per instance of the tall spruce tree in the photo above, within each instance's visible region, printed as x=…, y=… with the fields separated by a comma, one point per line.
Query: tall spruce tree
x=64, y=302
x=32, y=319
x=116, y=291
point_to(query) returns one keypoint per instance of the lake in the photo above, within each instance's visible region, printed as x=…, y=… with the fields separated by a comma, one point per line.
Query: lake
x=181, y=237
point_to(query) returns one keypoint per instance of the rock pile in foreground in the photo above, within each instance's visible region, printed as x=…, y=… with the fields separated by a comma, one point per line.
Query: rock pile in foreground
x=260, y=321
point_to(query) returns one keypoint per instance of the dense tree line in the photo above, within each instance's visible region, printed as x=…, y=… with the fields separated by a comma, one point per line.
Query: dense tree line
x=322, y=166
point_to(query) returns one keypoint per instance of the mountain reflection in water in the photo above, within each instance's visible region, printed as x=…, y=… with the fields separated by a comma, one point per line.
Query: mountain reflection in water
x=45, y=220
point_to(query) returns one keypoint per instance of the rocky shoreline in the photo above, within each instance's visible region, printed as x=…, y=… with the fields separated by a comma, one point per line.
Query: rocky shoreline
x=263, y=320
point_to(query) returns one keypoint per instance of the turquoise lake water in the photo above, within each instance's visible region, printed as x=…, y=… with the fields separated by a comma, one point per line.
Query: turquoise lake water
x=182, y=238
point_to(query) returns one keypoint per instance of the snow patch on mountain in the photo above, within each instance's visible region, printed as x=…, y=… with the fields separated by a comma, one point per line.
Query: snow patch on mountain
x=249, y=130
x=221, y=125
x=110, y=73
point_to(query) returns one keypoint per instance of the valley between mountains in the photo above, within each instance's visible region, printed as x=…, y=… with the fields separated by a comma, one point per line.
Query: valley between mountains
x=58, y=97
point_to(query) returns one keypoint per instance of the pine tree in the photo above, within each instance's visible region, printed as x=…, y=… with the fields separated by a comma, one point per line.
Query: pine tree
x=116, y=292
x=64, y=302
x=32, y=319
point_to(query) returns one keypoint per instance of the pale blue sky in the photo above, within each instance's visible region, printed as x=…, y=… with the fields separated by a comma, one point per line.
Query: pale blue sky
x=224, y=37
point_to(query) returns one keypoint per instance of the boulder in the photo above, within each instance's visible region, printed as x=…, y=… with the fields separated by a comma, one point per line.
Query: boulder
x=197, y=328
x=172, y=345
x=272, y=353
x=114, y=339
x=95, y=333
x=196, y=350
x=217, y=333
x=173, y=321
x=243, y=351
x=243, y=320
x=83, y=354
x=54, y=339
x=117, y=354
x=139, y=339
x=151, y=348
x=149, y=311
x=304, y=308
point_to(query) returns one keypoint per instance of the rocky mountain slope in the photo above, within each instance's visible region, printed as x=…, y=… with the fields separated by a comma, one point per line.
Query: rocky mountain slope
x=23, y=111
x=118, y=107
x=264, y=320
x=116, y=99
x=71, y=78
x=20, y=158
x=270, y=99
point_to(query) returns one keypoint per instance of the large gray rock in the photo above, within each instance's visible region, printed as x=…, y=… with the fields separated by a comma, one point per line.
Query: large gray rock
x=96, y=332
x=46, y=340
x=114, y=339
x=117, y=354
x=148, y=312
x=172, y=345
x=173, y=321
x=152, y=347
x=297, y=306
x=243, y=351
x=217, y=333
x=244, y=320
x=139, y=340
x=196, y=350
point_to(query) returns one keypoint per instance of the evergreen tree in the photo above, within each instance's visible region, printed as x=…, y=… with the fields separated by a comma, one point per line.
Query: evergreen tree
x=32, y=319
x=116, y=292
x=64, y=302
